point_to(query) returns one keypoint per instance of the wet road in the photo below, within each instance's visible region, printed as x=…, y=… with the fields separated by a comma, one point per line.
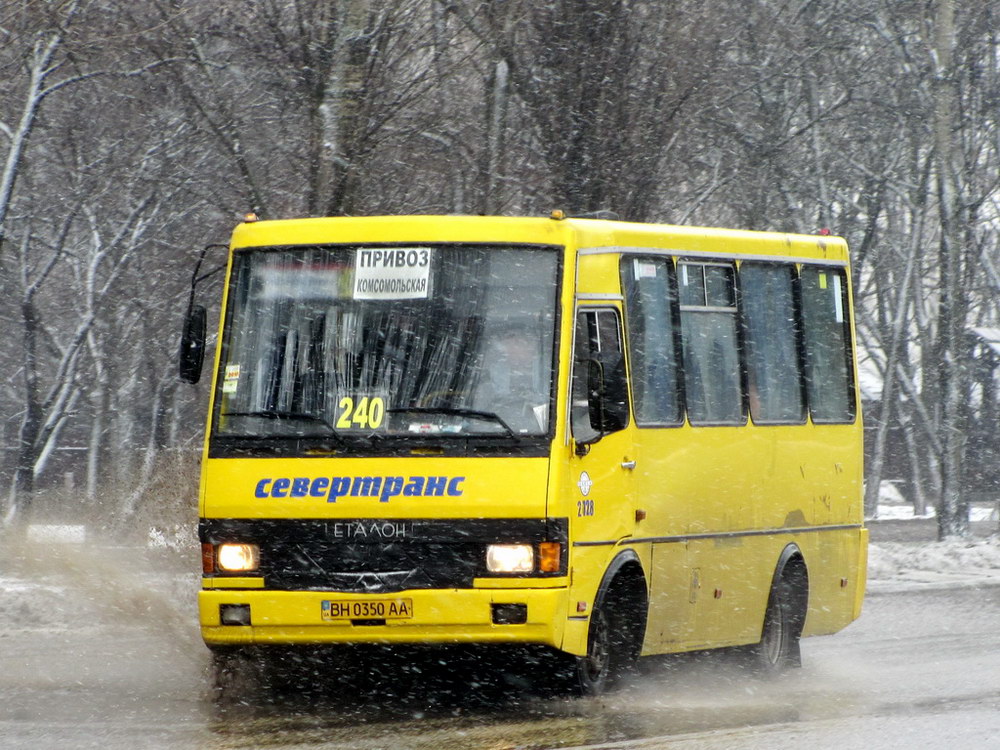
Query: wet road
x=99, y=650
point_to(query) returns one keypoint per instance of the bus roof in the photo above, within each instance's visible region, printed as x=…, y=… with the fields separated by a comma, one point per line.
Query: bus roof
x=581, y=234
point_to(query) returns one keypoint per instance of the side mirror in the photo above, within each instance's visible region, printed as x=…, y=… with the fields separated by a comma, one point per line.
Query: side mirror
x=607, y=394
x=192, y=351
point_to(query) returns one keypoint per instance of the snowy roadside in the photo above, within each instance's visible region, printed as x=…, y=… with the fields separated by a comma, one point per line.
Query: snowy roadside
x=58, y=579
x=896, y=566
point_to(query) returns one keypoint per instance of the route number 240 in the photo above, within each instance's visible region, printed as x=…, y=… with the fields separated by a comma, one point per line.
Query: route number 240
x=364, y=413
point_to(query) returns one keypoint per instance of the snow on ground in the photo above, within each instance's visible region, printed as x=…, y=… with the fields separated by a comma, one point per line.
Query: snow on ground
x=962, y=562
x=903, y=565
x=977, y=513
x=974, y=561
x=894, y=506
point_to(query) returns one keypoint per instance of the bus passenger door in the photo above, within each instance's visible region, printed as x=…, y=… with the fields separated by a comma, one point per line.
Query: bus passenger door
x=603, y=439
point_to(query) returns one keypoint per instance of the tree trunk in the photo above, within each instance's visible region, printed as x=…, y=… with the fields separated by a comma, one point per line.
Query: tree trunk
x=491, y=156
x=336, y=110
x=952, y=509
x=901, y=306
x=23, y=484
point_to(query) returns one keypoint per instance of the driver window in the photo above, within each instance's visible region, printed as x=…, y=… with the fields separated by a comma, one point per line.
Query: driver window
x=597, y=331
x=515, y=383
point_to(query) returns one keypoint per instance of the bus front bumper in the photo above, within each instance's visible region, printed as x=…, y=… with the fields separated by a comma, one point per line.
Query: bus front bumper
x=522, y=615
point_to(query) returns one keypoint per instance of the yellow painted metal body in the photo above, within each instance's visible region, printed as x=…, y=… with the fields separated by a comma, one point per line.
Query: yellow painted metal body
x=719, y=503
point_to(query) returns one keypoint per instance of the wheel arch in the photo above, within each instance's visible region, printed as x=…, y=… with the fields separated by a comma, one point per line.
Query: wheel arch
x=617, y=625
x=625, y=576
x=625, y=563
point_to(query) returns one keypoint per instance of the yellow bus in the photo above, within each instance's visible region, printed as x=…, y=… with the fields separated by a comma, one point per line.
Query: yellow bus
x=609, y=439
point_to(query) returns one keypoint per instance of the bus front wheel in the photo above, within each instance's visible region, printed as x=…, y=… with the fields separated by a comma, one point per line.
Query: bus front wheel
x=237, y=674
x=594, y=671
x=615, y=639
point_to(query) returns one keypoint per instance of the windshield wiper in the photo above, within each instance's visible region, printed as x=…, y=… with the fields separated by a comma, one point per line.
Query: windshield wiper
x=488, y=416
x=299, y=416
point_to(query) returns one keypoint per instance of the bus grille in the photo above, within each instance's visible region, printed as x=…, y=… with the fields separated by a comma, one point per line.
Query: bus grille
x=371, y=568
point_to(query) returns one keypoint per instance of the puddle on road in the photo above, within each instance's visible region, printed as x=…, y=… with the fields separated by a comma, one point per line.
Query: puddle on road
x=416, y=705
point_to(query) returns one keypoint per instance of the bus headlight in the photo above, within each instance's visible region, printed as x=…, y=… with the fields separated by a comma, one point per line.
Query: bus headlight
x=238, y=558
x=510, y=558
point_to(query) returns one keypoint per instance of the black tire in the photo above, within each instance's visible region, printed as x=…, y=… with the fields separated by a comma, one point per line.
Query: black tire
x=778, y=649
x=614, y=642
x=237, y=675
x=594, y=671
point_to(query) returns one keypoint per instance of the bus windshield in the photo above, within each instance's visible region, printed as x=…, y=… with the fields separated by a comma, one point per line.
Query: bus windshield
x=388, y=340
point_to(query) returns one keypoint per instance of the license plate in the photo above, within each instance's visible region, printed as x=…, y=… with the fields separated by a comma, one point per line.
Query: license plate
x=371, y=609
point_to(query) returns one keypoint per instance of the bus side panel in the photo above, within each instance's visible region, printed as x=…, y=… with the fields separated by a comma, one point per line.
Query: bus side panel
x=693, y=484
x=835, y=597
x=862, y=573
x=724, y=503
x=669, y=625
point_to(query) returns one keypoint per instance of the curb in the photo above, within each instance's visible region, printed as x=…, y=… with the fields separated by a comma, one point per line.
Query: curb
x=930, y=581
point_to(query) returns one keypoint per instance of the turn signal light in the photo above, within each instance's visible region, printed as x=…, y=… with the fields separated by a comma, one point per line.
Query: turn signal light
x=207, y=559
x=549, y=554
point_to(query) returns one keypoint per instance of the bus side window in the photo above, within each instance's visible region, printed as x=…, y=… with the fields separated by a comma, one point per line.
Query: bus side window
x=774, y=382
x=597, y=338
x=825, y=324
x=650, y=293
x=713, y=392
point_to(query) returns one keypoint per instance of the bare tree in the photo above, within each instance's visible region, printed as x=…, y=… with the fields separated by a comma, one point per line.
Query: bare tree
x=603, y=84
x=946, y=171
x=41, y=33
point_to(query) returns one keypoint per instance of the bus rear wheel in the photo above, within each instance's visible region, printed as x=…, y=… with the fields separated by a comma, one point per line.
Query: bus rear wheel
x=778, y=649
x=775, y=641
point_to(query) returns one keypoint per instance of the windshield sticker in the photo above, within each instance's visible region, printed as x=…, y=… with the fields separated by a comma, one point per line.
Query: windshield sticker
x=232, y=379
x=838, y=300
x=315, y=281
x=541, y=413
x=392, y=273
x=645, y=269
x=427, y=428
